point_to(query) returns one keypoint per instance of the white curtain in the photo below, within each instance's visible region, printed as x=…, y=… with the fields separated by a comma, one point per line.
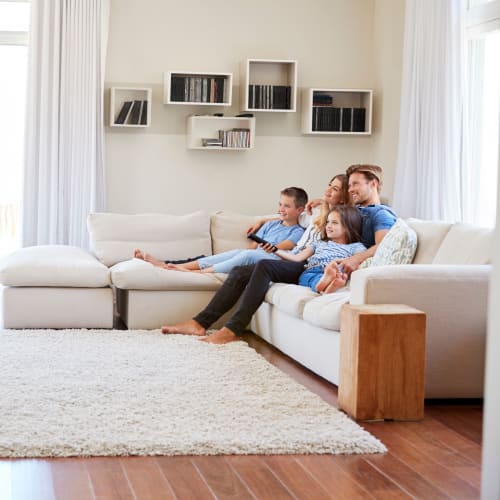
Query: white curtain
x=428, y=182
x=64, y=164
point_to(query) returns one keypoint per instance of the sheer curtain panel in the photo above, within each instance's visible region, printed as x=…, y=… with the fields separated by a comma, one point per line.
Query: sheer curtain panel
x=64, y=165
x=428, y=173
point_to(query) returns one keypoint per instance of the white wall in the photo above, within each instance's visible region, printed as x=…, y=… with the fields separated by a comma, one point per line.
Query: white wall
x=337, y=44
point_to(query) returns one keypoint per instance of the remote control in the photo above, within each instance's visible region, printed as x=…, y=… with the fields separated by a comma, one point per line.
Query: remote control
x=258, y=239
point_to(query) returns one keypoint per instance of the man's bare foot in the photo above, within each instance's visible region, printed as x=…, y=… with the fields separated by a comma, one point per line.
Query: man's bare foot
x=138, y=254
x=222, y=336
x=189, y=327
x=336, y=284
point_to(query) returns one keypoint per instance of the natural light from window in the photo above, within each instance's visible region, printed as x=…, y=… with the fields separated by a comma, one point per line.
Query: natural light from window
x=14, y=24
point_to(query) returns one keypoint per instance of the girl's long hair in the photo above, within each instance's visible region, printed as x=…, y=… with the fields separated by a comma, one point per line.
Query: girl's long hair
x=351, y=219
x=320, y=221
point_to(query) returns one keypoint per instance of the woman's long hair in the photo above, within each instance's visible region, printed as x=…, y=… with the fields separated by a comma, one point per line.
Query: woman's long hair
x=320, y=221
x=351, y=219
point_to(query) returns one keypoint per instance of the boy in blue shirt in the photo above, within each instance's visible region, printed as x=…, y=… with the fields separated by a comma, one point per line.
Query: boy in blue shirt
x=283, y=233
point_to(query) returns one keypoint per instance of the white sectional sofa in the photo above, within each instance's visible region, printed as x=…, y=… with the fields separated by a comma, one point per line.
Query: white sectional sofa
x=448, y=280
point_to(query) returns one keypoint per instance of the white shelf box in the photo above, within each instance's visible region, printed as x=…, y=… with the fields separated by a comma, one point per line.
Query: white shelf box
x=240, y=132
x=130, y=106
x=268, y=85
x=337, y=111
x=197, y=88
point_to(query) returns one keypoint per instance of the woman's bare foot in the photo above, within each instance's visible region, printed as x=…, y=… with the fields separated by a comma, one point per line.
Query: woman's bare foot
x=189, y=327
x=329, y=274
x=222, y=336
x=153, y=260
x=337, y=283
x=138, y=254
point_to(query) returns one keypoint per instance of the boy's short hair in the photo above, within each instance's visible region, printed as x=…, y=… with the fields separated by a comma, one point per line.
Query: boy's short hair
x=298, y=194
x=369, y=171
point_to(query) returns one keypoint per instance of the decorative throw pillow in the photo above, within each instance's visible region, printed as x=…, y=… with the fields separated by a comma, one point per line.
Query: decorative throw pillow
x=398, y=246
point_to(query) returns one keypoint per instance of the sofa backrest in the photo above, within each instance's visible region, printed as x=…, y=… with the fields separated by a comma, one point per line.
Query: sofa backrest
x=228, y=230
x=430, y=236
x=466, y=244
x=113, y=237
x=447, y=243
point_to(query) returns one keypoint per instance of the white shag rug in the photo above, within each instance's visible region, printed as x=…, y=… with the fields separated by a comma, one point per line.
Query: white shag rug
x=119, y=392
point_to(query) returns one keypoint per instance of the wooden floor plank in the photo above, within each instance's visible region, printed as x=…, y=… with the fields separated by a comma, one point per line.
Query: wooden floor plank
x=108, y=479
x=379, y=485
x=429, y=467
x=146, y=479
x=71, y=479
x=184, y=478
x=333, y=478
x=258, y=478
x=221, y=478
x=296, y=479
x=464, y=420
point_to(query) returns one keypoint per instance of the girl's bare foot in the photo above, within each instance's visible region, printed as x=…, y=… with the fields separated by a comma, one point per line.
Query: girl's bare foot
x=138, y=254
x=189, y=327
x=337, y=283
x=329, y=274
x=222, y=336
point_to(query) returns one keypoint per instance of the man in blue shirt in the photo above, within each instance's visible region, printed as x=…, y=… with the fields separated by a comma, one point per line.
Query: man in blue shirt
x=250, y=283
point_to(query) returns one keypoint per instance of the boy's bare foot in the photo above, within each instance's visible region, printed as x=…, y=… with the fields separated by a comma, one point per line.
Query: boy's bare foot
x=189, y=327
x=138, y=254
x=153, y=260
x=222, y=336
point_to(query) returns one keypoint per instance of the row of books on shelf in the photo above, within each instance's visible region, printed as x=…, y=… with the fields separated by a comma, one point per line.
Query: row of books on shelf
x=269, y=96
x=197, y=89
x=330, y=119
x=133, y=113
x=233, y=138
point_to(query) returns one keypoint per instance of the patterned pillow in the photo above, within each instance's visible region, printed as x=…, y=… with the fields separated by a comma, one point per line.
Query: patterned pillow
x=398, y=246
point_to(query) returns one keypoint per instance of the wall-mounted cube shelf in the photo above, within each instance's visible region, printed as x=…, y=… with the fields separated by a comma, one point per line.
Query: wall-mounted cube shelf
x=130, y=107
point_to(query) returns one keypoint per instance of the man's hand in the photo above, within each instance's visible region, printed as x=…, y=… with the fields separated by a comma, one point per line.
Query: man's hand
x=350, y=264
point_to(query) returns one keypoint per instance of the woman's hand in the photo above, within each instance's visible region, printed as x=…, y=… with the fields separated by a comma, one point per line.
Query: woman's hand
x=312, y=204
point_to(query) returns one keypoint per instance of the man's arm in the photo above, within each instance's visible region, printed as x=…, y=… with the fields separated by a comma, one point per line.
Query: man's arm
x=352, y=263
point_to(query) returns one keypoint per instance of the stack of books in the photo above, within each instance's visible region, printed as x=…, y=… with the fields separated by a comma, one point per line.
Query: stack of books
x=269, y=96
x=133, y=113
x=197, y=89
x=331, y=119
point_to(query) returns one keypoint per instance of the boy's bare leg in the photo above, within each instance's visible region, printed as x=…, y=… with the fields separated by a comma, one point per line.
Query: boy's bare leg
x=329, y=274
x=337, y=283
x=188, y=266
x=189, y=327
x=153, y=260
x=138, y=254
x=222, y=336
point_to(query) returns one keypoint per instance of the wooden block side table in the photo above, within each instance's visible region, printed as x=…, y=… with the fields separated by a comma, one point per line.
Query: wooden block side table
x=382, y=362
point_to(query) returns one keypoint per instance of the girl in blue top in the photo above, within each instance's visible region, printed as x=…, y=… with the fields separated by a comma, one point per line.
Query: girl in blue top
x=339, y=239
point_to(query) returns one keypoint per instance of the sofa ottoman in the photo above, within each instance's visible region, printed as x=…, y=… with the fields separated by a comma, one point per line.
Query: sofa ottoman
x=54, y=286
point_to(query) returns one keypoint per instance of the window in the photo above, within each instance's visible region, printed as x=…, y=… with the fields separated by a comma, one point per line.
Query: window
x=483, y=109
x=14, y=26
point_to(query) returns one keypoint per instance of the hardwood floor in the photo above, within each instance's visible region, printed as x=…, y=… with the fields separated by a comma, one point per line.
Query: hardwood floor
x=438, y=457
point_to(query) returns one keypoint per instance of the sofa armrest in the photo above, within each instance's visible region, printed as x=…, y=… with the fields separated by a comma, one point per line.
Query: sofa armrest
x=455, y=300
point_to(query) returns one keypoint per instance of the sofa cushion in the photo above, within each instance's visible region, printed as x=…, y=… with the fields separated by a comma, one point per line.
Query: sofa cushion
x=136, y=274
x=228, y=230
x=466, y=244
x=53, y=265
x=324, y=310
x=114, y=237
x=430, y=235
x=397, y=247
x=290, y=299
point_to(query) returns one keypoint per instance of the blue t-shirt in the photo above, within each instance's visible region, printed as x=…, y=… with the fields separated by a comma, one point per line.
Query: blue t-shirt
x=326, y=251
x=275, y=232
x=375, y=218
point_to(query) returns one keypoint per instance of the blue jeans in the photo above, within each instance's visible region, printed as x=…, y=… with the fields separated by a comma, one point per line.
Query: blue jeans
x=251, y=284
x=225, y=261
